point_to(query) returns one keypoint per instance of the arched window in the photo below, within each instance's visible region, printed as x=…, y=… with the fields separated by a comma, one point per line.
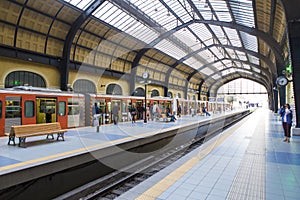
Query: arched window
x=178, y=95
x=170, y=94
x=84, y=86
x=139, y=92
x=20, y=78
x=114, y=89
x=154, y=93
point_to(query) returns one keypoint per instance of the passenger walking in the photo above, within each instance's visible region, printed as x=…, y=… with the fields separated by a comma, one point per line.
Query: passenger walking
x=133, y=113
x=151, y=111
x=115, y=113
x=286, y=117
x=179, y=111
x=154, y=110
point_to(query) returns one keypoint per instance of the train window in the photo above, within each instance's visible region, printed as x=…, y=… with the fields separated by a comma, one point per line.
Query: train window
x=62, y=108
x=0, y=109
x=12, y=107
x=29, y=108
x=73, y=108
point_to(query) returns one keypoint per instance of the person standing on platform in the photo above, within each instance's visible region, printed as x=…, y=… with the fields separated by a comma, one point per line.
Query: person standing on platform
x=49, y=116
x=115, y=112
x=286, y=117
x=95, y=110
x=151, y=112
x=179, y=111
x=133, y=113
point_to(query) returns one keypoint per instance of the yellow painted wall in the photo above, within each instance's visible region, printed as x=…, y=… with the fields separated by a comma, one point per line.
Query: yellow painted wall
x=52, y=77
x=175, y=92
x=49, y=73
x=99, y=81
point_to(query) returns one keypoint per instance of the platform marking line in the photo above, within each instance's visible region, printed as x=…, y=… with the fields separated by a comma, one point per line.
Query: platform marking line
x=156, y=190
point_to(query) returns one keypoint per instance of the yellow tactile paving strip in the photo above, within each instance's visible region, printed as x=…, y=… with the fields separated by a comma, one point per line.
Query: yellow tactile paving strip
x=156, y=190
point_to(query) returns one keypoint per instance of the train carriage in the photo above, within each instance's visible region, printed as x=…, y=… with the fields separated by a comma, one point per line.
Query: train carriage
x=31, y=105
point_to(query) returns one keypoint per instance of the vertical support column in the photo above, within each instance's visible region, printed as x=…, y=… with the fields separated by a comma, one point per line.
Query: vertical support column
x=294, y=33
x=275, y=101
x=145, y=112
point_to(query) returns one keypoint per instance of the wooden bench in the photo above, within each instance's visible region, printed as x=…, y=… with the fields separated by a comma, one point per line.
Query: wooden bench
x=31, y=130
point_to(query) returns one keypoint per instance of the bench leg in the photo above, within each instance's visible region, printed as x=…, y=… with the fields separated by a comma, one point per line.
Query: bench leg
x=60, y=135
x=22, y=142
x=11, y=139
x=52, y=137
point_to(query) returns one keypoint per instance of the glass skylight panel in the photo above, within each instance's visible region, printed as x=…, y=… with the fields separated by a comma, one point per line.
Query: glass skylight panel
x=242, y=56
x=81, y=4
x=219, y=53
x=104, y=11
x=143, y=33
x=244, y=71
x=243, y=12
x=218, y=31
x=204, y=9
x=221, y=9
x=207, y=71
x=219, y=66
x=256, y=70
x=194, y=63
x=245, y=66
x=186, y=37
x=228, y=71
x=249, y=41
x=170, y=49
x=202, y=32
x=233, y=37
x=207, y=55
x=116, y=17
x=231, y=52
x=253, y=59
x=216, y=76
x=179, y=9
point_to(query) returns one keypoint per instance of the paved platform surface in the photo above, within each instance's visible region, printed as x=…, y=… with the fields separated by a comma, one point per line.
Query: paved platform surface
x=79, y=140
x=247, y=161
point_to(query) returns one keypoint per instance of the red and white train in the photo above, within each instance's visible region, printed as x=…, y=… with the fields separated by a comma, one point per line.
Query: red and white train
x=30, y=105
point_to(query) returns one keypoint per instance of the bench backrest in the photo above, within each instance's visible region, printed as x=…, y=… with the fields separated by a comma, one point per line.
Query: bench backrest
x=34, y=128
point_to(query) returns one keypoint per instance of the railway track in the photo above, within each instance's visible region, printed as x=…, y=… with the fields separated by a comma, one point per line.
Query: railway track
x=116, y=183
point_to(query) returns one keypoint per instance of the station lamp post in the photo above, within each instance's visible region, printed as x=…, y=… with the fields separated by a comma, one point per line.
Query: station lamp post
x=145, y=80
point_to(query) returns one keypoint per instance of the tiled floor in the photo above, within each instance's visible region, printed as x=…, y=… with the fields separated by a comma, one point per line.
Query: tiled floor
x=247, y=161
x=79, y=140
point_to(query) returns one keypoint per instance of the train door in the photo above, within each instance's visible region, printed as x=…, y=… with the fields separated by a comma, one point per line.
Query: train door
x=28, y=109
x=45, y=110
x=13, y=112
x=62, y=105
x=2, y=117
x=74, y=112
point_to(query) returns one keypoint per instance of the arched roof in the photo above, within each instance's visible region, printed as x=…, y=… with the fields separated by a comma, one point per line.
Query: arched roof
x=180, y=42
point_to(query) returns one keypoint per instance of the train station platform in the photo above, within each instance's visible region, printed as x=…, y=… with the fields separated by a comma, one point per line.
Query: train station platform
x=247, y=161
x=42, y=156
